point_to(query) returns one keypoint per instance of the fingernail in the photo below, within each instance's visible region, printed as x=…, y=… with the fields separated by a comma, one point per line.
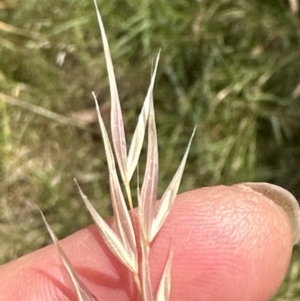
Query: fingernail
x=282, y=198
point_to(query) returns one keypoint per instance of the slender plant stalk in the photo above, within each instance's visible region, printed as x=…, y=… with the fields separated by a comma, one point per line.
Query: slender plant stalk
x=123, y=241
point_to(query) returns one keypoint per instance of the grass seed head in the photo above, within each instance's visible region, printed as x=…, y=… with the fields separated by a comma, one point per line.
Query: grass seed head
x=123, y=242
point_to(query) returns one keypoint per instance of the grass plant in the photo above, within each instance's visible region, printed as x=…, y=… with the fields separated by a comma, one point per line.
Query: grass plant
x=230, y=68
x=150, y=217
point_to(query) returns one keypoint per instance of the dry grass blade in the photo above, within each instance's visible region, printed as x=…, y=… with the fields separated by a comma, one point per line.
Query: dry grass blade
x=150, y=183
x=15, y=30
x=83, y=294
x=139, y=133
x=111, y=239
x=121, y=213
x=168, y=197
x=9, y=45
x=37, y=109
x=117, y=125
x=164, y=288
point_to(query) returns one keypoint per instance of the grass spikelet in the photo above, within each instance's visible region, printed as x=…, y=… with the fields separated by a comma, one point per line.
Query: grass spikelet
x=123, y=242
x=139, y=133
x=115, y=243
x=117, y=125
x=169, y=195
x=82, y=292
x=164, y=288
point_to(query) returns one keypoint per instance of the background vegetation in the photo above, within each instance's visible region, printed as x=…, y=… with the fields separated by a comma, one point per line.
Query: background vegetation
x=230, y=67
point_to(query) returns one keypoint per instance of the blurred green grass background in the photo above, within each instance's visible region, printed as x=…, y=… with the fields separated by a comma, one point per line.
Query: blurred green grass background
x=229, y=67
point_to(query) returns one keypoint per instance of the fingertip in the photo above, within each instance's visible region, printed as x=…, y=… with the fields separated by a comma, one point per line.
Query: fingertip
x=228, y=245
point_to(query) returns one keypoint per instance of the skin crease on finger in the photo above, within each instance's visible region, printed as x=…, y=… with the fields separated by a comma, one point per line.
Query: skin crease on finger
x=228, y=245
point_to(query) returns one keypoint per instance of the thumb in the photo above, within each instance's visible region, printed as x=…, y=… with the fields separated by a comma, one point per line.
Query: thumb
x=228, y=244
